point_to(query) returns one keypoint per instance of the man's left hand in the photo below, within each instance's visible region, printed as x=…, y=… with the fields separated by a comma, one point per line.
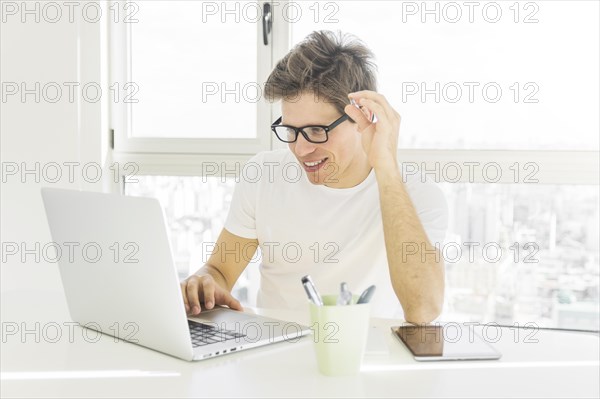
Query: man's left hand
x=379, y=138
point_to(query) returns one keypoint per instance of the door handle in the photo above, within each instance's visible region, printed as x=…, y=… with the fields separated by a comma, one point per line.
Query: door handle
x=267, y=22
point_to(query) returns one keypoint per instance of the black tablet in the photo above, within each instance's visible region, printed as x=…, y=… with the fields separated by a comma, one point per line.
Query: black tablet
x=451, y=341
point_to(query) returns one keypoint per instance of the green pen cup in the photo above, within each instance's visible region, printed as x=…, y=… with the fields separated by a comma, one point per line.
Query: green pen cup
x=339, y=335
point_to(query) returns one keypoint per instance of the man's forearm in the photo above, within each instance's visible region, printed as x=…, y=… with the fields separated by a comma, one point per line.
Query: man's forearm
x=417, y=278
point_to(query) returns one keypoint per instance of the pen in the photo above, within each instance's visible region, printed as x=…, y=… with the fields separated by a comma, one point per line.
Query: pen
x=311, y=290
x=365, y=297
x=353, y=102
x=345, y=296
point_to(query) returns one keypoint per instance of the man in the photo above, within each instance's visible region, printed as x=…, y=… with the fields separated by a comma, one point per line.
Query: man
x=335, y=205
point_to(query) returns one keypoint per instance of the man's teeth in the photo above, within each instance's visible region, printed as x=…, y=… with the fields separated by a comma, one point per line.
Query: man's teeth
x=313, y=163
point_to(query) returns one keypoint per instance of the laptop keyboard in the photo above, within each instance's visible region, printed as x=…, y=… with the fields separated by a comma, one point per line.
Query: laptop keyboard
x=204, y=334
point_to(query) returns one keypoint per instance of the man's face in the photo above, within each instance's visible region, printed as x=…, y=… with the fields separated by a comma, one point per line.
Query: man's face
x=343, y=162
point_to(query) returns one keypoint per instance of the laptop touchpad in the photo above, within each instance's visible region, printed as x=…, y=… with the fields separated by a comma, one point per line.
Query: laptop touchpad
x=222, y=318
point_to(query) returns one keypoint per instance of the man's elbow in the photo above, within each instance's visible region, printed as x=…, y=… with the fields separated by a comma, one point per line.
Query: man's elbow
x=424, y=315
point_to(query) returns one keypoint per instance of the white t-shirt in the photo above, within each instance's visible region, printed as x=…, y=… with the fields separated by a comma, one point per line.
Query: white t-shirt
x=333, y=234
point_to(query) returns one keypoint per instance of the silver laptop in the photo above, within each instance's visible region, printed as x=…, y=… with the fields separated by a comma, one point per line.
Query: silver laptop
x=119, y=278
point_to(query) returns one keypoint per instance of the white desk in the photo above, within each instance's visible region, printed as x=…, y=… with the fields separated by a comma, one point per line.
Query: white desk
x=561, y=364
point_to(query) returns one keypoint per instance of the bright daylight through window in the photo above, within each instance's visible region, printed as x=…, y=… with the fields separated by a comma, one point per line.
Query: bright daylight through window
x=521, y=76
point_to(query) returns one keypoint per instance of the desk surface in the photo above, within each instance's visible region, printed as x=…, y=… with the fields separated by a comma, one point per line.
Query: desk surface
x=560, y=364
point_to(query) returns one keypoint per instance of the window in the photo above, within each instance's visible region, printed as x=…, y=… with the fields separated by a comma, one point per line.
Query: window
x=482, y=85
x=523, y=253
x=501, y=87
x=190, y=81
x=196, y=209
x=188, y=73
x=521, y=75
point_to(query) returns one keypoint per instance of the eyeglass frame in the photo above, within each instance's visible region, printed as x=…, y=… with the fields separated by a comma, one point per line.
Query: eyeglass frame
x=298, y=130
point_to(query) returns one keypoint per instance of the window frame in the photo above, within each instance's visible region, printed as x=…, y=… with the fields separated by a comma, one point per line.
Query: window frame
x=188, y=157
x=123, y=142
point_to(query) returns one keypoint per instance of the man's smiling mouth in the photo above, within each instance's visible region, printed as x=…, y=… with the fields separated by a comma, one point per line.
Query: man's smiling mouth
x=312, y=166
x=314, y=163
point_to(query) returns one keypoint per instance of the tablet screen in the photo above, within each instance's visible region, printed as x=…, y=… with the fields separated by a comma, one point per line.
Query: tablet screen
x=447, y=342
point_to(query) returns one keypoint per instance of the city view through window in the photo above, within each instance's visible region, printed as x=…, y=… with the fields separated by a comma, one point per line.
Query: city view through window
x=514, y=253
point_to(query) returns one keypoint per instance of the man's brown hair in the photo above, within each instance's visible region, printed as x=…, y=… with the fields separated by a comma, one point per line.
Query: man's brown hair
x=328, y=64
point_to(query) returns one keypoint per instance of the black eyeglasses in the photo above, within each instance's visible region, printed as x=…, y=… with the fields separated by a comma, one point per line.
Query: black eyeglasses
x=312, y=133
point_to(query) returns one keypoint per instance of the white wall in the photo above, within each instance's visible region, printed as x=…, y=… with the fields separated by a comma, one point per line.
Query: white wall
x=45, y=132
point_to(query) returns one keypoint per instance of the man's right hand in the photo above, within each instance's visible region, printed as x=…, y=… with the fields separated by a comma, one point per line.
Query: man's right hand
x=196, y=289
